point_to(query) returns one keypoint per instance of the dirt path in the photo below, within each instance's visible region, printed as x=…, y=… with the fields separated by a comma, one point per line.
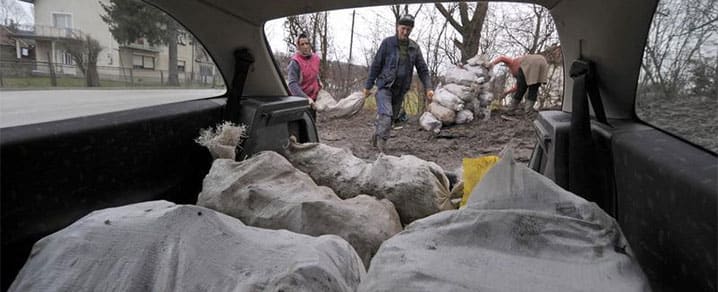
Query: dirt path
x=447, y=149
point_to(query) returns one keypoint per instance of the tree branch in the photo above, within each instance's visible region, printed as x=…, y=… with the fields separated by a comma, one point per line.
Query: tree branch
x=449, y=17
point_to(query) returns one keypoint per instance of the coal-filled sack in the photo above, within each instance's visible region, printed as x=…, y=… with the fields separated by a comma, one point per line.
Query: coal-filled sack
x=464, y=116
x=418, y=188
x=519, y=232
x=267, y=191
x=344, y=108
x=429, y=122
x=465, y=93
x=443, y=114
x=160, y=246
x=448, y=99
x=460, y=76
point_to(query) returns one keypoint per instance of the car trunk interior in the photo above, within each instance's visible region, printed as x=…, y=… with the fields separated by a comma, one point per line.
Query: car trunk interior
x=660, y=188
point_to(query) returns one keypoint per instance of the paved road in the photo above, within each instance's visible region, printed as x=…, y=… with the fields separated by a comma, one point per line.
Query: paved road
x=34, y=106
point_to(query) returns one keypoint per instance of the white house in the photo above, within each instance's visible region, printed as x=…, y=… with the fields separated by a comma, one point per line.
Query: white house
x=59, y=20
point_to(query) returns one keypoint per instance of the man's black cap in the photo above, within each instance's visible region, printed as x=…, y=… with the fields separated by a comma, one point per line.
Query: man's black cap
x=406, y=19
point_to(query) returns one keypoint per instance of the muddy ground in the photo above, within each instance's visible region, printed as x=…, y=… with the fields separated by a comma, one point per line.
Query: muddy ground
x=446, y=149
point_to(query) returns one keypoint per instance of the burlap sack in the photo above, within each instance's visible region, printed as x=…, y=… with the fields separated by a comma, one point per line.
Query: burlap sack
x=448, y=99
x=160, y=246
x=519, y=232
x=445, y=115
x=267, y=191
x=429, y=122
x=417, y=188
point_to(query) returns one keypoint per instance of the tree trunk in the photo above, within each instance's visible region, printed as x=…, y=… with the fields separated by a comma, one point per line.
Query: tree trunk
x=469, y=28
x=173, y=79
x=92, y=78
x=51, y=67
x=351, y=46
x=324, y=35
x=93, y=50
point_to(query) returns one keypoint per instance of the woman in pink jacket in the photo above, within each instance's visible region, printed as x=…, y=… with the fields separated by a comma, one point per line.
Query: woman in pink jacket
x=303, y=71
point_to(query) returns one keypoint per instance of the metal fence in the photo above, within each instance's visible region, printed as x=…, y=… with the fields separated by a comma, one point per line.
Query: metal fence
x=41, y=74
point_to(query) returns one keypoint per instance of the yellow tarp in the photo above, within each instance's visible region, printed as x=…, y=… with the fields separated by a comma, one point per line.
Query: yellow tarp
x=474, y=170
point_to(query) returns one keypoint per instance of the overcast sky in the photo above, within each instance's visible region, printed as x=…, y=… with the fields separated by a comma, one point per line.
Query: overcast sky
x=370, y=23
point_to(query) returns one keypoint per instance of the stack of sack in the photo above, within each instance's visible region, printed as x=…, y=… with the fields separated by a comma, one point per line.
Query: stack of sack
x=160, y=246
x=267, y=191
x=416, y=187
x=518, y=232
x=465, y=95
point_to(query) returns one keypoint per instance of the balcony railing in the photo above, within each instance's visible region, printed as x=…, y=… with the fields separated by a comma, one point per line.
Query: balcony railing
x=47, y=32
x=144, y=46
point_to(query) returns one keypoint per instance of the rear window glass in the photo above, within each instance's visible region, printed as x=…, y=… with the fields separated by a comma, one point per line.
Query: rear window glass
x=677, y=89
x=347, y=40
x=65, y=59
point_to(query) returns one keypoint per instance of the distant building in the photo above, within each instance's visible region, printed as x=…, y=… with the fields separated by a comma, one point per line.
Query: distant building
x=17, y=55
x=58, y=21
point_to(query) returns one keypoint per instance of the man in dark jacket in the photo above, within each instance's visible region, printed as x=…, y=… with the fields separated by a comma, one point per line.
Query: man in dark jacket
x=392, y=70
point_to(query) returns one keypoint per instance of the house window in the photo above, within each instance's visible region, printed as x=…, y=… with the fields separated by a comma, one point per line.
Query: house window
x=143, y=62
x=180, y=65
x=182, y=38
x=66, y=58
x=62, y=20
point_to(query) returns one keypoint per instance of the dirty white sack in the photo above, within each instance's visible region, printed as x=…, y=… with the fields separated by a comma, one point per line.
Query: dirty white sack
x=324, y=100
x=465, y=93
x=445, y=115
x=448, y=100
x=429, y=122
x=464, y=116
x=345, y=108
x=267, y=191
x=481, y=72
x=519, y=232
x=478, y=60
x=160, y=246
x=486, y=98
x=418, y=188
x=460, y=76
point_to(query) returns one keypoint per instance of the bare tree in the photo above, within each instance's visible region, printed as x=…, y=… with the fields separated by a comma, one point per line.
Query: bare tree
x=84, y=52
x=532, y=32
x=672, y=50
x=398, y=10
x=469, y=28
x=490, y=31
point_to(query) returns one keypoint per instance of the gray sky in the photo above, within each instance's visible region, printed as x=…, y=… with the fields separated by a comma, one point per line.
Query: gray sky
x=26, y=16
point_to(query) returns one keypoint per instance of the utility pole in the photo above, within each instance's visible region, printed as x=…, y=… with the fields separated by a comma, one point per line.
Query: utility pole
x=351, y=46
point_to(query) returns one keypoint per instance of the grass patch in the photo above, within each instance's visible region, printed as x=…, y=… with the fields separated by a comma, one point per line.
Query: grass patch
x=413, y=104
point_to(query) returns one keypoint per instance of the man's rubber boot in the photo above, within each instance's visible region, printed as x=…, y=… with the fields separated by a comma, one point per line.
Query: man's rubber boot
x=373, y=140
x=514, y=104
x=529, y=105
x=381, y=145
